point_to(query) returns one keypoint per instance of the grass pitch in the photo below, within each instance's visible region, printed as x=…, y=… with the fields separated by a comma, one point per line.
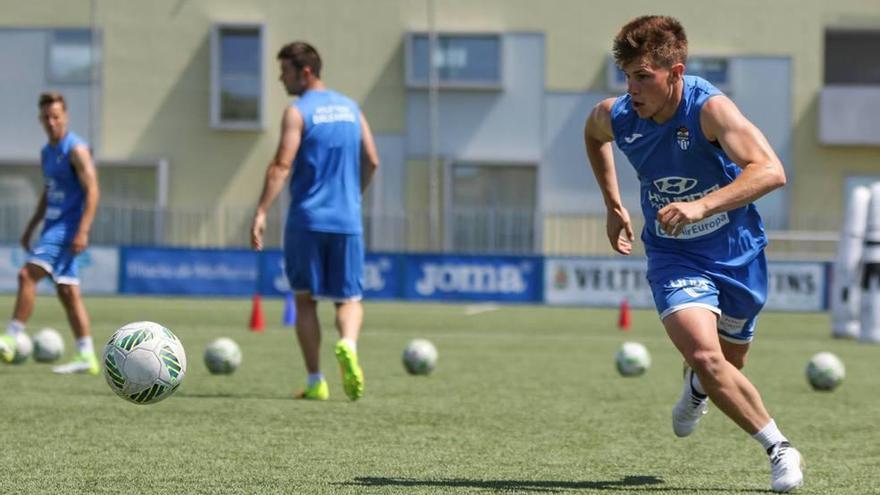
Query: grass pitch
x=525, y=399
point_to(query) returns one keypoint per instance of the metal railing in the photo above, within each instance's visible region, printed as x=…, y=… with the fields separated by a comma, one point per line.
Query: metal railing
x=507, y=231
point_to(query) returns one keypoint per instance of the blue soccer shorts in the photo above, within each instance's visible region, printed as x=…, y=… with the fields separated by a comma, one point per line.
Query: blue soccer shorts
x=326, y=265
x=736, y=295
x=57, y=259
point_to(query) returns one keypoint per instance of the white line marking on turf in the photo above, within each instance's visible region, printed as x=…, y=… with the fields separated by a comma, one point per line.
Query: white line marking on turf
x=476, y=309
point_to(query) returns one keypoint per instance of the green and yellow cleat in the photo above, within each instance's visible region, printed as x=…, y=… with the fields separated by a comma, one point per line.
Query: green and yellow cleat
x=352, y=374
x=84, y=362
x=7, y=348
x=318, y=391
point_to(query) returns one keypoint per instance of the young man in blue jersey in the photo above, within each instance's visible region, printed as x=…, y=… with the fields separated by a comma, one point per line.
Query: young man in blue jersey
x=327, y=141
x=66, y=208
x=701, y=165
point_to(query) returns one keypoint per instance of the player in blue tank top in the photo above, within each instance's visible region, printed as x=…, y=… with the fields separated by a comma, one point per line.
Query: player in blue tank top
x=66, y=208
x=701, y=165
x=327, y=141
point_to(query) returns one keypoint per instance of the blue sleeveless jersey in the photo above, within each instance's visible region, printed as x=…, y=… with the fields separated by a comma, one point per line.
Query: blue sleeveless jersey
x=64, y=193
x=325, y=189
x=675, y=162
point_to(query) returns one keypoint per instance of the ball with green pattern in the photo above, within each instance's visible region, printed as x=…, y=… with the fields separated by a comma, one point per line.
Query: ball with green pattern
x=632, y=359
x=419, y=357
x=825, y=371
x=222, y=356
x=144, y=362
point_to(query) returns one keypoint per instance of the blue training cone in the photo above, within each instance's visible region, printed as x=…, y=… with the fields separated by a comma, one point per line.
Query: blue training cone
x=288, y=319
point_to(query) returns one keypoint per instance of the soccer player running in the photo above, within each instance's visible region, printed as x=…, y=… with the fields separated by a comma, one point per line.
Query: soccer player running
x=66, y=208
x=701, y=165
x=327, y=141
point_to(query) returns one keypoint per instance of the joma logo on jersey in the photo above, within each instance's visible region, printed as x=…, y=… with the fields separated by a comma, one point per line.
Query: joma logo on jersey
x=675, y=185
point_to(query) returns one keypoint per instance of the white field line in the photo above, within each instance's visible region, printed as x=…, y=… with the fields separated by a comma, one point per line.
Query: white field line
x=476, y=309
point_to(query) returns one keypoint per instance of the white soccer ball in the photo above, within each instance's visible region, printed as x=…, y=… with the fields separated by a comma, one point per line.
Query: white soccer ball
x=23, y=348
x=632, y=359
x=222, y=356
x=144, y=362
x=48, y=345
x=419, y=357
x=825, y=371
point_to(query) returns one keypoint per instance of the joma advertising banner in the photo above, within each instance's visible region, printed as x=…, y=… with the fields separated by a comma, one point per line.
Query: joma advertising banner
x=473, y=278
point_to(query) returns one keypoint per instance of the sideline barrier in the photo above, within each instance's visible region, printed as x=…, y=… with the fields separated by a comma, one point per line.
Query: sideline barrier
x=98, y=270
x=566, y=281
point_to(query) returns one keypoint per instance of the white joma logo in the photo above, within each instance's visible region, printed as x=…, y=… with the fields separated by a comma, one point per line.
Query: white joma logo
x=630, y=139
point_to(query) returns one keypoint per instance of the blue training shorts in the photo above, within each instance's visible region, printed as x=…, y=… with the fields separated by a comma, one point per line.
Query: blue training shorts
x=736, y=295
x=57, y=259
x=326, y=265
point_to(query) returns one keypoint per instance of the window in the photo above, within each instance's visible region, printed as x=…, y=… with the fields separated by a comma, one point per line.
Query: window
x=493, y=208
x=712, y=69
x=71, y=58
x=461, y=60
x=852, y=57
x=237, y=76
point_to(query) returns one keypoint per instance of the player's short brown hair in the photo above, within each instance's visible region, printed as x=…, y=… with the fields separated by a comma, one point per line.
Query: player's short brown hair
x=51, y=97
x=660, y=38
x=301, y=54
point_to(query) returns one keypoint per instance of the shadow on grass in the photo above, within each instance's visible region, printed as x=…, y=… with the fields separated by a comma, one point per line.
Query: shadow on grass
x=628, y=484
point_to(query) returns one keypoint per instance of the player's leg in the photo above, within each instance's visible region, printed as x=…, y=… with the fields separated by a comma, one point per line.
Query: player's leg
x=308, y=330
x=303, y=266
x=67, y=286
x=693, y=331
x=676, y=285
x=345, y=287
x=735, y=353
x=742, y=293
x=28, y=278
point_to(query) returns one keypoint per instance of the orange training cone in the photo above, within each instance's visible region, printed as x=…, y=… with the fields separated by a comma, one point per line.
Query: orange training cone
x=623, y=321
x=257, y=324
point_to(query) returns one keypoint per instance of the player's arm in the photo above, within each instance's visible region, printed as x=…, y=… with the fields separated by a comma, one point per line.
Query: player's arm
x=277, y=171
x=746, y=146
x=598, y=136
x=82, y=162
x=369, y=155
x=35, y=220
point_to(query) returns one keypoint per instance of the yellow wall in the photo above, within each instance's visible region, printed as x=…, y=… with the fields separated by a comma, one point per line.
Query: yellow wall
x=156, y=72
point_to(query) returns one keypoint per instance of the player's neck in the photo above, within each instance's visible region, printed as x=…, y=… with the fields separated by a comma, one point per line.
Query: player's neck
x=54, y=142
x=670, y=106
x=316, y=85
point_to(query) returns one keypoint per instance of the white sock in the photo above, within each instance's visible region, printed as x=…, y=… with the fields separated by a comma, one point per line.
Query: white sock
x=84, y=345
x=15, y=327
x=351, y=343
x=696, y=386
x=315, y=378
x=769, y=435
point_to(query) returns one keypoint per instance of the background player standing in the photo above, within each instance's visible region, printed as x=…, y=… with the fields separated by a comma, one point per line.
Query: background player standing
x=66, y=208
x=327, y=141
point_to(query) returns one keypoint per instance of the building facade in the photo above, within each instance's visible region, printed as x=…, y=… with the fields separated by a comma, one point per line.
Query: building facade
x=482, y=150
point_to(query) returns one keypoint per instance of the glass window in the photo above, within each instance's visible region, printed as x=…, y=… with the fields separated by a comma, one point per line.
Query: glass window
x=852, y=57
x=237, y=86
x=461, y=60
x=493, y=208
x=71, y=57
x=712, y=69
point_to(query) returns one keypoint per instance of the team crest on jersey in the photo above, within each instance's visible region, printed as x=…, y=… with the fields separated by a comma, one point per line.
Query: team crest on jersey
x=683, y=137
